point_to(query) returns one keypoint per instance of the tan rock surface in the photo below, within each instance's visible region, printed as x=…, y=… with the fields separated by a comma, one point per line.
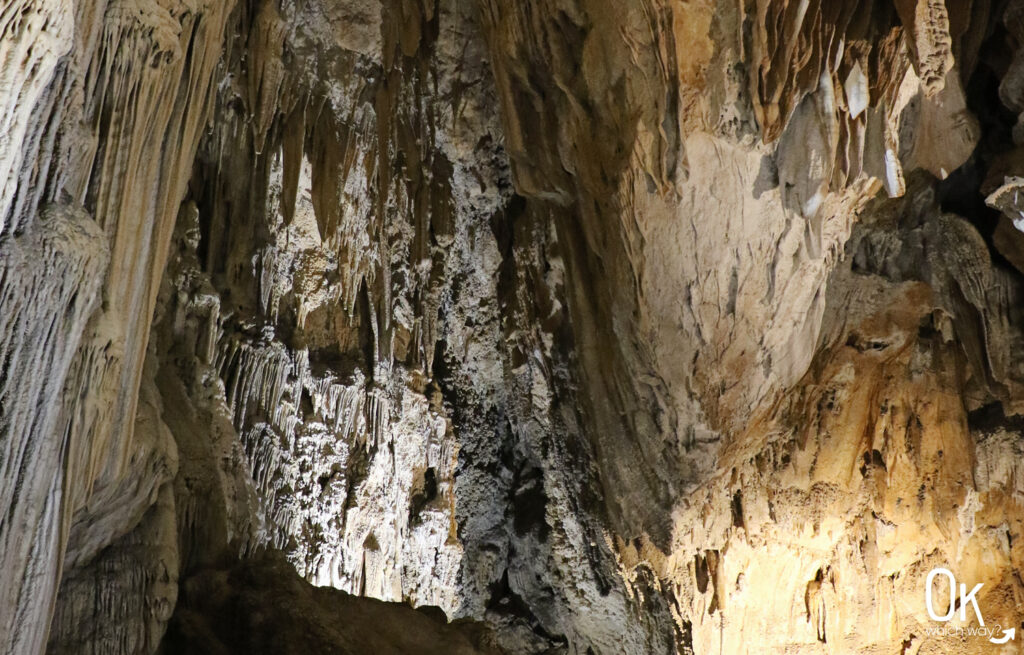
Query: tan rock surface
x=641, y=326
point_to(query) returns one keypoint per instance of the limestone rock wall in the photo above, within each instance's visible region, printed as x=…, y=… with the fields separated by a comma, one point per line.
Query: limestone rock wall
x=353, y=296
x=620, y=327
x=103, y=106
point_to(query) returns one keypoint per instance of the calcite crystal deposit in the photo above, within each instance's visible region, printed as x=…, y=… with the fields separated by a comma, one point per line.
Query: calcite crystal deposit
x=582, y=327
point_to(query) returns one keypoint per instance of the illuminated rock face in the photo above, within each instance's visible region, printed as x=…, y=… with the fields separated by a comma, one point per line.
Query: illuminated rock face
x=604, y=326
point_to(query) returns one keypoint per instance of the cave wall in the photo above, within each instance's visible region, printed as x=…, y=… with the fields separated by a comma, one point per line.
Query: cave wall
x=105, y=104
x=602, y=323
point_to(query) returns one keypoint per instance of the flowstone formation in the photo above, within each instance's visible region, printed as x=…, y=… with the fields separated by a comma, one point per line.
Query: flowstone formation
x=579, y=326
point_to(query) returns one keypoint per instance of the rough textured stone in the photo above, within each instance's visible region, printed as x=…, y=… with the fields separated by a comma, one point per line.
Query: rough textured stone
x=598, y=326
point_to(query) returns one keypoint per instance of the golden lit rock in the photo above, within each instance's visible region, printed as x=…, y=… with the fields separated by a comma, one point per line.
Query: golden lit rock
x=580, y=326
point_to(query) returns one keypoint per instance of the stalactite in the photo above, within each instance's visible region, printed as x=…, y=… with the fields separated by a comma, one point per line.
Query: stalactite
x=618, y=326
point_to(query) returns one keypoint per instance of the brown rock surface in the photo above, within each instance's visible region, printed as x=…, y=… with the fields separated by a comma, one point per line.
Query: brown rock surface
x=263, y=607
x=599, y=326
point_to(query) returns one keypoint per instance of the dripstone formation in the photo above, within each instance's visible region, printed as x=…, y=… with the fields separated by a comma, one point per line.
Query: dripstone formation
x=510, y=327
